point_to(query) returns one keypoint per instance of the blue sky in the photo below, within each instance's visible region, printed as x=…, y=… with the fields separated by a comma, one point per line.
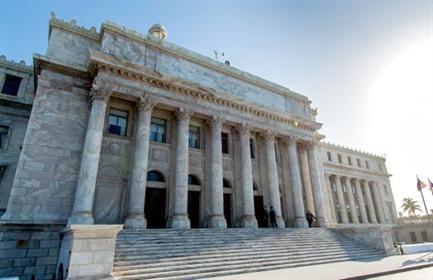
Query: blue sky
x=351, y=58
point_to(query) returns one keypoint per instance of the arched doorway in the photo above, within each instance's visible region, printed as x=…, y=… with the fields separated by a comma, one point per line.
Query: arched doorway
x=259, y=207
x=227, y=188
x=194, y=188
x=154, y=207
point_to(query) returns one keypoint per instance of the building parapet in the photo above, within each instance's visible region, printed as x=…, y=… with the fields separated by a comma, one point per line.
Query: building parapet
x=22, y=66
x=351, y=150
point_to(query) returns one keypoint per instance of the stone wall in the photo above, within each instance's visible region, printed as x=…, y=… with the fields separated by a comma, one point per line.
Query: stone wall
x=414, y=229
x=29, y=252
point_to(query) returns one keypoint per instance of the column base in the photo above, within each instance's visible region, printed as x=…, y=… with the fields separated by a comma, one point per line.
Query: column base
x=135, y=221
x=249, y=221
x=280, y=222
x=301, y=222
x=81, y=219
x=179, y=221
x=321, y=222
x=217, y=221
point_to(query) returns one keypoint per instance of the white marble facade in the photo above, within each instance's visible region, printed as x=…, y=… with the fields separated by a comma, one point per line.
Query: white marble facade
x=257, y=143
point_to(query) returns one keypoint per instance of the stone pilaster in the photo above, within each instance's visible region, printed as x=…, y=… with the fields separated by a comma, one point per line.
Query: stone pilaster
x=216, y=217
x=85, y=191
x=272, y=176
x=370, y=205
x=364, y=218
x=295, y=179
x=248, y=219
x=179, y=219
x=378, y=202
x=138, y=180
x=353, y=214
x=307, y=181
x=341, y=202
x=316, y=186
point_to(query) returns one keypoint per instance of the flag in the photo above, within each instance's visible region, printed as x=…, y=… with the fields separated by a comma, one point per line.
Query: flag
x=420, y=184
x=431, y=185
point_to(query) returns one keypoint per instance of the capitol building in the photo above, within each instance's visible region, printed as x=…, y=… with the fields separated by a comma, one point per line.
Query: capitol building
x=112, y=133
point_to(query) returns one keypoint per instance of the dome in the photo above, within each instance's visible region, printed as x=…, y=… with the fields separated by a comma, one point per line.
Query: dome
x=158, y=31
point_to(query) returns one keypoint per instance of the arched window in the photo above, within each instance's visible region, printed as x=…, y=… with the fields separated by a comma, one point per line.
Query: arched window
x=227, y=184
x=155, y=176
x=193, y=180
x=255, y=187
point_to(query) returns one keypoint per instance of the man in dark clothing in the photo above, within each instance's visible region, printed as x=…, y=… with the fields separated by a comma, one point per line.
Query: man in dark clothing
x=272, y=216
x=265, y=217
x=310, y=218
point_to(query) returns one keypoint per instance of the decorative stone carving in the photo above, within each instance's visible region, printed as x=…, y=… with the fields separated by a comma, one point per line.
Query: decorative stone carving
x=183, y=114
x=146, y=103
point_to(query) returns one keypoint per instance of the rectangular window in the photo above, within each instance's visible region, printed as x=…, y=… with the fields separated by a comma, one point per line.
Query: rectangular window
x=358, y=161
x=367, y=165
x=2, y=172
x=194, y=137
x=225, y=143
x=329, y=156
x=424, y=236
x=117, y=122
x=349, y=160
x=412, y=236
x=3, y=135
x=11, y=85
x=158, y=130
x=353, y=189
x=344, y=188
x=252, y=148
x=339, y=159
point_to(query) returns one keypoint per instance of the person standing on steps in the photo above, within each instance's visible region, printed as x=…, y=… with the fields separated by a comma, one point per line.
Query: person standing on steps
x=265, y=217
x=310, y=218
x=272, y=216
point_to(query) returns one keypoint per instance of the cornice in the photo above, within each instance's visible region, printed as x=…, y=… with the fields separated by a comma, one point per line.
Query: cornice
x=44, y=62
x=351, y=150
x=347, y=168
x=202, y=60
x=72, y=26
x=99, y=61
x=20, y=66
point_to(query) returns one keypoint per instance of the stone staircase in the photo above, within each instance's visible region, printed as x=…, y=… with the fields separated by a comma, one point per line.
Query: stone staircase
x=203, y=253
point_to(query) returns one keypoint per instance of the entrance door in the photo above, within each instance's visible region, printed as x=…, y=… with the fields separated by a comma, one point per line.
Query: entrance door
x=258, y=209
x=228, y=209
x=194, y=208
x=154, y=209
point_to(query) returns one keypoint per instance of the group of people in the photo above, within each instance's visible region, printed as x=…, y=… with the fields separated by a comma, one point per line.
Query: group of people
x=271, y=215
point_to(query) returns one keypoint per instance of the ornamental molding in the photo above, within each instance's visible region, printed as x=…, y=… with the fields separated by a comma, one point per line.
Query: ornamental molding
x=72, y=26
x=331, y=167
x=350, y=150
x=42, y=62
x=102, y=62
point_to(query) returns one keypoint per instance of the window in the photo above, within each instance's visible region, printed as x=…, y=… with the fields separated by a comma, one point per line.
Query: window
x=367, y=165
x=255, y=188
x=158, y=129
x=353, y=189
x=349, y=160
x=339, y=159
x=11, y=85
x=155, y=176
x=117, y=122
x=412, y=236
x=227, y=184
x=193, y=180
x=252, y=148
x=225, y=143
x=3, y=135
x=424, y=236
x=385, y=187
x=344, y=188
x=358, y=161
x=329, y=156
x=194, y=137
x=2, y=172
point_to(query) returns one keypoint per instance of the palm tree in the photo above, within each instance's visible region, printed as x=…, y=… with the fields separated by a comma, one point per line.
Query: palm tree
x=410, y=206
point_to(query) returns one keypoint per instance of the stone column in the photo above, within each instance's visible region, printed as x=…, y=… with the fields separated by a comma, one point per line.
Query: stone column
x=85, y=191
x=272, y=176
x=317, y=186
x=179, y=218
x=378, y=201
x=248, y=219
x=364, y=218
x=295, y=179
x=307, y=182
x=353, y=214
x=138, y=180
x=331, y=197
x=341, y=202
x=216, y=217
x=370, y=205
x=387, y=215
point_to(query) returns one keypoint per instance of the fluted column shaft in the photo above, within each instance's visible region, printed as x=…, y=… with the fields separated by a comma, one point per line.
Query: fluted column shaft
x=341, y=202
x=216, y=217
x=370, y=205
x=179, y=218
x=274, y=190
x=387, y=215
x=319, y=203
x=295, y=180
x=364, y=218
x=248, y=219
x=352, y=205
x=307, y=182
x=378, y=202
x=85, y=191
x=137, y=193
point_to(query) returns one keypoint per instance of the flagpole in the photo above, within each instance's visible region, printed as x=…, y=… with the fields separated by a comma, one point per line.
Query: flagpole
x=423, y=200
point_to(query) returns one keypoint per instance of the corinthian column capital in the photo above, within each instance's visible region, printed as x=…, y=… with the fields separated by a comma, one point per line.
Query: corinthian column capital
x=215, y=121
x=146, y=103
x=183, y=113
x=269, y=135
x=100, y=92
